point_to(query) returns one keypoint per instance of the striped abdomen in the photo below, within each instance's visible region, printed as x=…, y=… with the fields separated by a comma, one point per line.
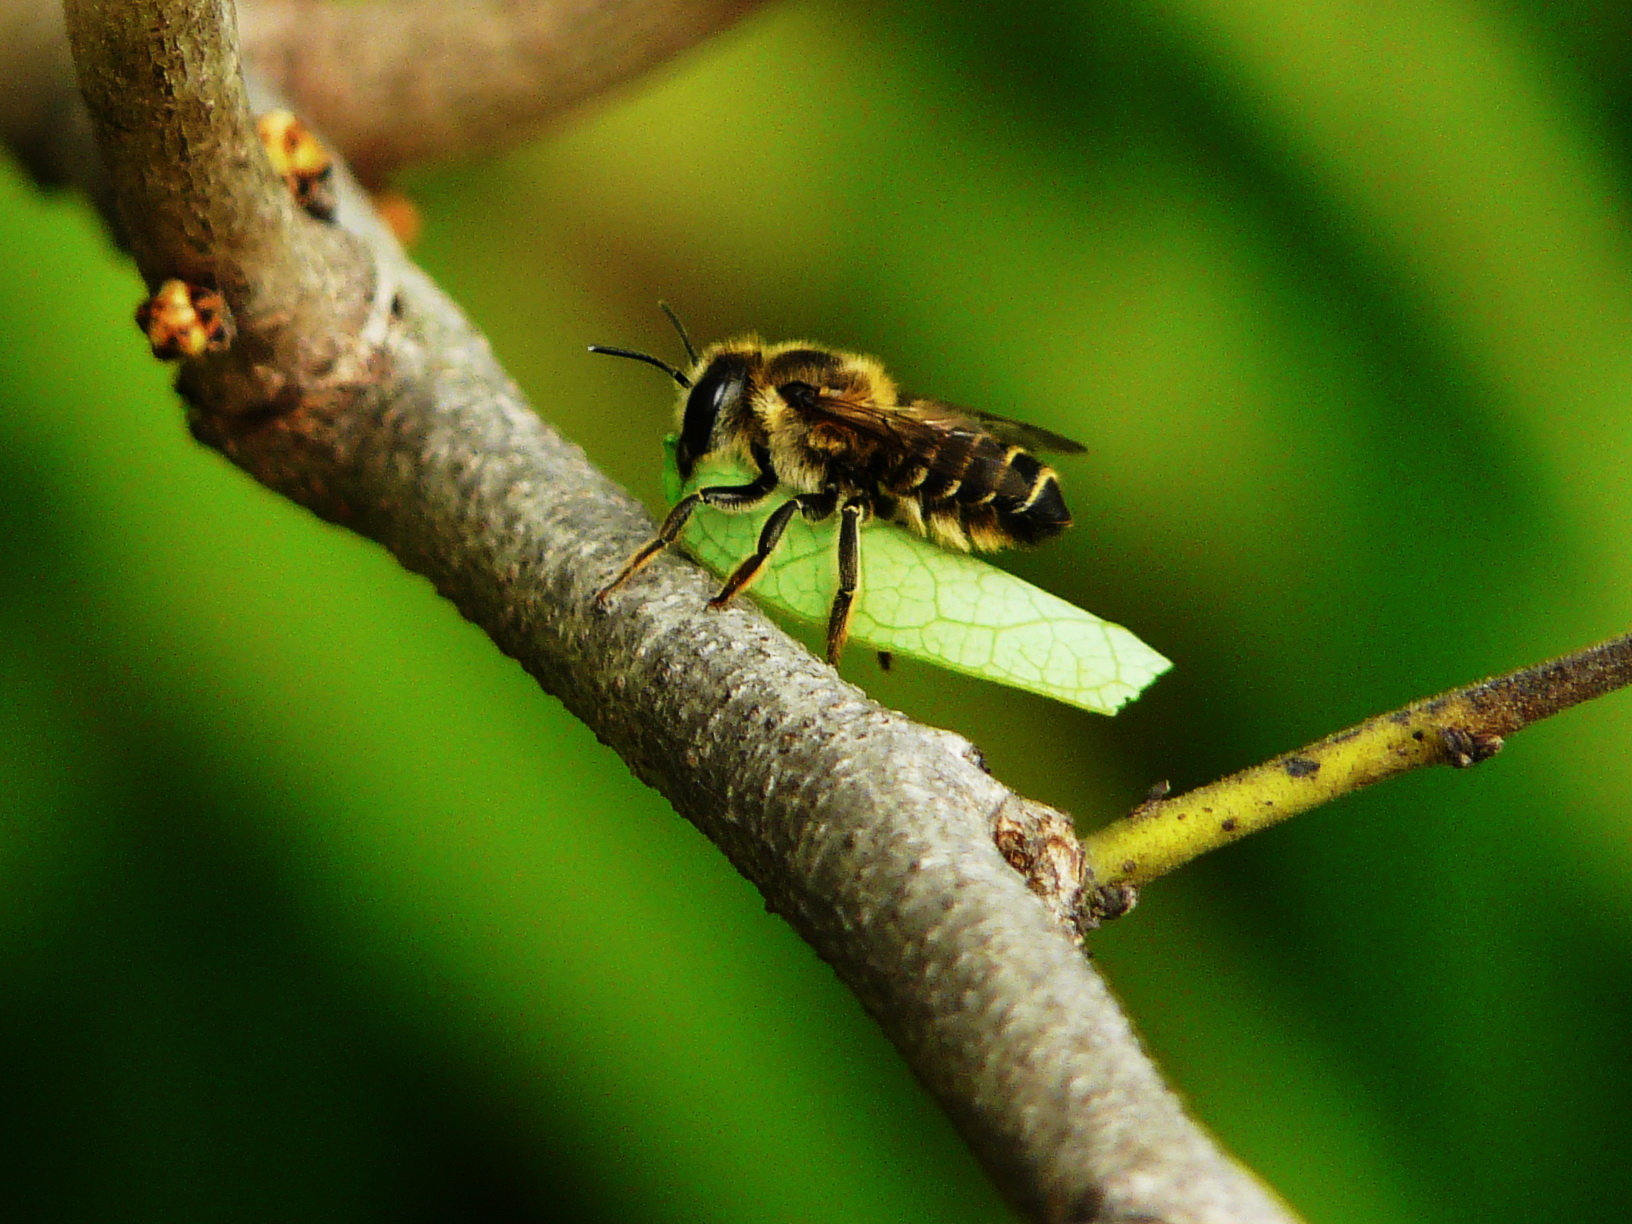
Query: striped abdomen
x=974, y=491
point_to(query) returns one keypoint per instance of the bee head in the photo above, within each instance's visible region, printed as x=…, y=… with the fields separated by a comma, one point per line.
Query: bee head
x=717, y=388
x=720, y=389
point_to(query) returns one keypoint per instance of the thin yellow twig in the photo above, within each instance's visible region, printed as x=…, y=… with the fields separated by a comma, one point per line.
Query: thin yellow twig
x=1458, y=728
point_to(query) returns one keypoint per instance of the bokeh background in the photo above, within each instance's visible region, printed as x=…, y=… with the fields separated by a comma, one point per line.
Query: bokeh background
x=313, y=908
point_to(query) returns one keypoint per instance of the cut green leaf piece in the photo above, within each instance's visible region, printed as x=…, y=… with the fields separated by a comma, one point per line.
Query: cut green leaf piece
x=921, y=600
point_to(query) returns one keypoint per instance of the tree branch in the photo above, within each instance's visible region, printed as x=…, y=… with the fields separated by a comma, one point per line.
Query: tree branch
x=872, y=835
x=195, y=198
x=413, y=81
x=1460, y=728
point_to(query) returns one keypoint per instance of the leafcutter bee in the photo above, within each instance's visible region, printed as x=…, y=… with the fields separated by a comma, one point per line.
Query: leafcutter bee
x=834, y=431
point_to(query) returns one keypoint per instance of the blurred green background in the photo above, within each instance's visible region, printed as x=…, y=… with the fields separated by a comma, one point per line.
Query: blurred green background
x=312, y=908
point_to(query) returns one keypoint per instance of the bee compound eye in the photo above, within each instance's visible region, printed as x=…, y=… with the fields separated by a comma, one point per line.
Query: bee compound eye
x=725, y=381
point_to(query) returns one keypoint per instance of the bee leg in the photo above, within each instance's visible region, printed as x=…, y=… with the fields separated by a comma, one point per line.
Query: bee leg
x=838, y=621
x=815, y=506
x=769, y=536
x=886, y=660
x=732, y=498
x=725, y=497
x=666, y=535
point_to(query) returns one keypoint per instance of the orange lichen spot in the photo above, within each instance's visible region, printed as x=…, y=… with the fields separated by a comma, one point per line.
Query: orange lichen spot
x=182, y=320
x=300, y=158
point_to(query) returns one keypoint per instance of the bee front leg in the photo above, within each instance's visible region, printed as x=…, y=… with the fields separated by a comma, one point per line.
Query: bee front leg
x=838, y=621
x=725, y=497
x=666, y=535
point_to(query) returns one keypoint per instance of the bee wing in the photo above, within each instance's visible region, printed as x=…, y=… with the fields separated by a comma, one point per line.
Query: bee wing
x=1032, y=437
x=904, y=425
x=923, y=422
x=1004, y=429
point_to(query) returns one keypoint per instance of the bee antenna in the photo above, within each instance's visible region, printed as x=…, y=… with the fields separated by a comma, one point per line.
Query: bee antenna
x=647, y=358
x=680, y=327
